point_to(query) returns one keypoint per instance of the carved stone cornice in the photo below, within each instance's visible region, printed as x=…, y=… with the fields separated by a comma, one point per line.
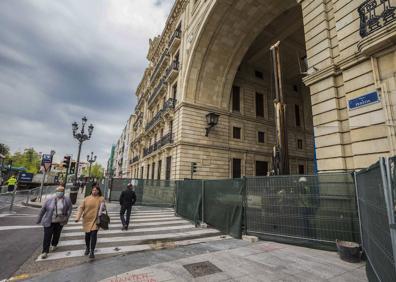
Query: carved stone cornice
x=159, y=43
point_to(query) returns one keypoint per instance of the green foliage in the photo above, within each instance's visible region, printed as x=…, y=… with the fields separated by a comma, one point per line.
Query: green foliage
x=29, y=159
x=97, y=171
x=4, y=149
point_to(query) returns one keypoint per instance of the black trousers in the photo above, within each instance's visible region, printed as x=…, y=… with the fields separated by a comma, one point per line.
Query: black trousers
x=11, y=188
x=51, y=236
x=90, y=240
x=125, y=220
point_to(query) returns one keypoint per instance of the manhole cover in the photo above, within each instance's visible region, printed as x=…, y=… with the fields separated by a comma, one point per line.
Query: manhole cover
x=202, y=268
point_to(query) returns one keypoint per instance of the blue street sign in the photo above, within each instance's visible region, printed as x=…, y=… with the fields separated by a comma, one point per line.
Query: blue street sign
x=47, y=159
x=25, y=177
x=363, y=100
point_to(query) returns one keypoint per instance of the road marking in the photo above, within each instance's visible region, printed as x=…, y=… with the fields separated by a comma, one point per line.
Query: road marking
x=141, y=237
x=15, y=227
x=133, y=224
x=142, y=217
x=133, y=248
x=165, y=228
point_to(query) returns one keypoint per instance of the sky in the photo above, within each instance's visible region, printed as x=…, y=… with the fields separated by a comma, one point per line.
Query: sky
x=63, y=59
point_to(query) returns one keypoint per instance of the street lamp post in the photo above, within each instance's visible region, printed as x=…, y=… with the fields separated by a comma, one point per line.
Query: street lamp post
x=81, y=137
x=91, y=160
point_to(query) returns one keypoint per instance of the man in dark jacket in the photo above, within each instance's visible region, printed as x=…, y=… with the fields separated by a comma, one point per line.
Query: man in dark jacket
x=127, y=200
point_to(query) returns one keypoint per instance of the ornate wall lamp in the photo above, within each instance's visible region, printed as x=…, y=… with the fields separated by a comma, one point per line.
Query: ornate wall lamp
x=212, y=119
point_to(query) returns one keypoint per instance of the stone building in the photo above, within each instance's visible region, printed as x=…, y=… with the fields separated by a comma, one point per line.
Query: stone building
x=338, y=65
x=121, y=157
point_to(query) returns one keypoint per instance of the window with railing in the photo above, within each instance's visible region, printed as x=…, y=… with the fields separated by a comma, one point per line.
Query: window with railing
x=375, y=14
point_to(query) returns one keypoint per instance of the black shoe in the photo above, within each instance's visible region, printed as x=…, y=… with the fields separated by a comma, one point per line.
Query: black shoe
x=123, y=228
x=126, y=228
x=91, y=255
x=86, y=252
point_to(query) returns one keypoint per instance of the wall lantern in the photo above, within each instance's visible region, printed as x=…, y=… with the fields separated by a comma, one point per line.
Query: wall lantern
x=212, y=119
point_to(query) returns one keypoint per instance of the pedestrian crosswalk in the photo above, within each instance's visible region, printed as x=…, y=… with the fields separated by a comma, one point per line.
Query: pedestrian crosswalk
x=150, y=228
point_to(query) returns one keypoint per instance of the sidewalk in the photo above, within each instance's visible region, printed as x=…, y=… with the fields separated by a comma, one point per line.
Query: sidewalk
x=227, y=260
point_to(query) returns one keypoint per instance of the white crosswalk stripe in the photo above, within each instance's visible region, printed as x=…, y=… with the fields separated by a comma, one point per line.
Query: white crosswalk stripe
x=150, y=229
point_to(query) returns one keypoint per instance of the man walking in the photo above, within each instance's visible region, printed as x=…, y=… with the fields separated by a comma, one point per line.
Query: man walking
x=127, y=200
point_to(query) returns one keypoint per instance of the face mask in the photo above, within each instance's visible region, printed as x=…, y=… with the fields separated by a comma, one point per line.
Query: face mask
x=60, y=194
x=95, y=193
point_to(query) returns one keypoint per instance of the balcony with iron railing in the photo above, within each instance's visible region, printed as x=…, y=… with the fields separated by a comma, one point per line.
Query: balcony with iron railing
x=169, y=104
x=172, y=71
x=137, y=121
x=157, y=91
x=174, y=41
x=165, y=140
x=160, y=65
x=374, y=15
x=134, y=160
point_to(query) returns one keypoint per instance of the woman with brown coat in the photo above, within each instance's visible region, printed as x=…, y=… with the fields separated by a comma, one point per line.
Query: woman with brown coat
x=90, y=210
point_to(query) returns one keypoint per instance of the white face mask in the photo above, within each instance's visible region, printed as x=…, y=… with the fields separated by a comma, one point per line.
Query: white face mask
x=60, y=194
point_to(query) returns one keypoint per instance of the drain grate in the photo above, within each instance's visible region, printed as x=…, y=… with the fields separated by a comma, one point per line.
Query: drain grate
x=202, y=268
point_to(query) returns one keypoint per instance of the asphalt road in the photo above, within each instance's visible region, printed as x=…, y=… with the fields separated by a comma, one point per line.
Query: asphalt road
x=19, y=237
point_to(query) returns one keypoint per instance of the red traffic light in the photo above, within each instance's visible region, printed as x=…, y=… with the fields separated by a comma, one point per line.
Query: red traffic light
x=66, y=161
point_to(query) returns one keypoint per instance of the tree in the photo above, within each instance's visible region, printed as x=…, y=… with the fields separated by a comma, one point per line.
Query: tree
x=29, y=159
x=97, y=171
x=4, y=149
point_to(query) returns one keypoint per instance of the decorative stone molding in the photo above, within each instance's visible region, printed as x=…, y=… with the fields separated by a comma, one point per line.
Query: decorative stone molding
x=379, y=40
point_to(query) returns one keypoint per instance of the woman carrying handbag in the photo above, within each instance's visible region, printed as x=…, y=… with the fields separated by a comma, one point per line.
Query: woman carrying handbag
x=91, y=210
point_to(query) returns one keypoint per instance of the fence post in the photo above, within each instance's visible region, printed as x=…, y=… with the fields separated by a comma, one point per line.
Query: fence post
x=203, y=201
x=244, y=205
x=358, y=206
x=389, y=206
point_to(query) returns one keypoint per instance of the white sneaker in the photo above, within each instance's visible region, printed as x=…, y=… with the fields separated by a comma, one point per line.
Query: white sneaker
x=53, y=248
x=43, y=256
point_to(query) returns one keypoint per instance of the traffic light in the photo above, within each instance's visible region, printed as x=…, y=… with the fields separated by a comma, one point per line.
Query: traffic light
x=73, y=168
x=193, y=167
x=66, y=162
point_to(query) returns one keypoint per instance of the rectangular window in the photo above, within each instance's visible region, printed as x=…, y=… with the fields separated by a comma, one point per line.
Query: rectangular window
x=236, y=168
x=261, y=168
x=236, y=99
x=259, y=105
x=301, y=169
x=159, y=169
x=261, y=137
x=174, y=92
x=168, y=168
x=171, y=127
x=299, y=144
x=141, y=173
x=297, y=115
x=236, y=132
x=148, y=172
x=153, y=171
x=259, y=74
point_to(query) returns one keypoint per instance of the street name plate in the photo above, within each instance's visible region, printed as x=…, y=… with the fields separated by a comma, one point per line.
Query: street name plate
x=363, y=100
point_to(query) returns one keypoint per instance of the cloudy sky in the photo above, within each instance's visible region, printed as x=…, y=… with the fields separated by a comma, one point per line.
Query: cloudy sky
x=63, y=59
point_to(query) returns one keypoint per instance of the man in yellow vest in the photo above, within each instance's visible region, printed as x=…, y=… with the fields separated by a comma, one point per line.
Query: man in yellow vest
x=11, y=182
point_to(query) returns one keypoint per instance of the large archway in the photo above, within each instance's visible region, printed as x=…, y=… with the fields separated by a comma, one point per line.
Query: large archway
x=228, y=31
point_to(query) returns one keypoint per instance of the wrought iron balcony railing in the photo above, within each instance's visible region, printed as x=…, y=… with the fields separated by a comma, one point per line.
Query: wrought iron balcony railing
x=160, y=62
x=169, y=104
x=165, y=140
x=375, y=14
x=173, y=68
x=176, y=35
x=135, y=159
x=157, y=90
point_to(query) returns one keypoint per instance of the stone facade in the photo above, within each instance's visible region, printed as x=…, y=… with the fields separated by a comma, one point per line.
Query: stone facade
x=214, y=54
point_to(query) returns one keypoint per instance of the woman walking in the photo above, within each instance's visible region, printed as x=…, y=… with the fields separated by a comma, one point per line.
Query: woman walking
x=54, y=215
x=90, y=210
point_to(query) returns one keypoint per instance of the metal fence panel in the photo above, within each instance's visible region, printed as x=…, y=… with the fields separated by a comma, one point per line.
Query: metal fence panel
x=314, y=210
x=375, y=228
x=148, y=192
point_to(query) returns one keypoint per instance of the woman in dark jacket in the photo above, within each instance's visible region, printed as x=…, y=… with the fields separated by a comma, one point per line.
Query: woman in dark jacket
x=54, y=215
